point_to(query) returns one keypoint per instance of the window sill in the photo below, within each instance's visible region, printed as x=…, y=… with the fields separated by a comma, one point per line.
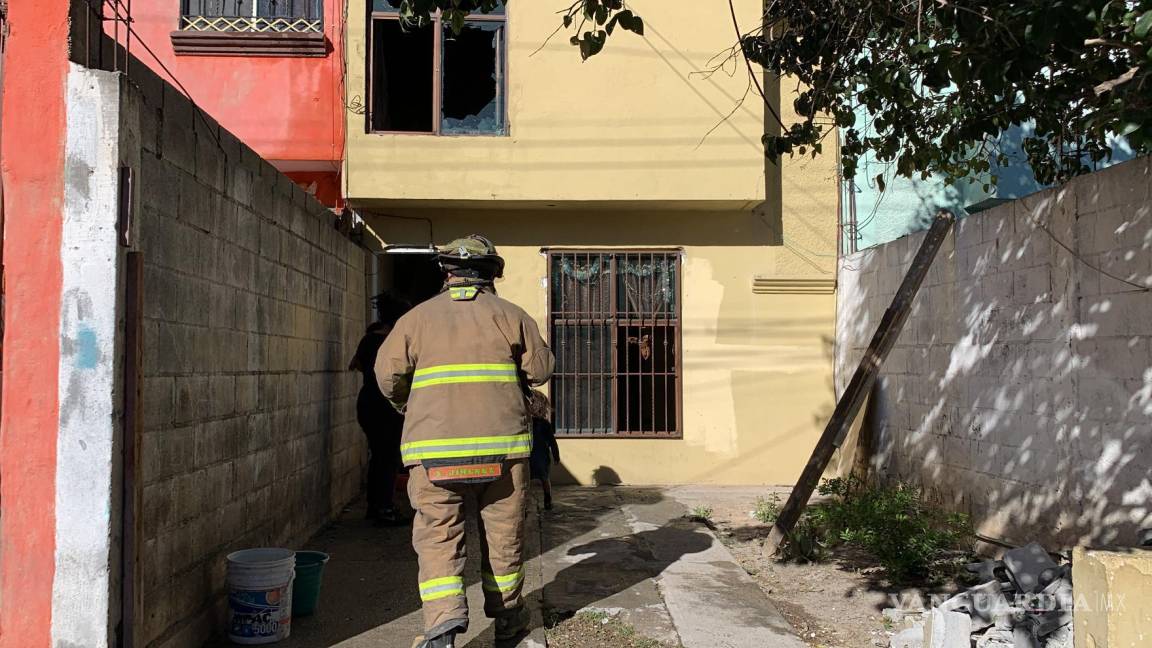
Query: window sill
x=222, y=43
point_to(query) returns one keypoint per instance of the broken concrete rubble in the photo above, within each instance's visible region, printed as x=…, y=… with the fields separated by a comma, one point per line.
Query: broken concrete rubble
x=981, y=603
x=947, y=629
x=1026, y=565
x=1024, y=601
x=988, y=570
x=910, y=638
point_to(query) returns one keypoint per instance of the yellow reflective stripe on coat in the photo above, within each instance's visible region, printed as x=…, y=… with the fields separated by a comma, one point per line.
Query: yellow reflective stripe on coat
x=489, y=446
x=502, y=372
x=463, y=293
x=502, y=584
x=439, y=588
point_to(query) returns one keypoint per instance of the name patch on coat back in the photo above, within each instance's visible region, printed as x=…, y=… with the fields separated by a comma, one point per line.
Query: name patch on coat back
x=464, y=472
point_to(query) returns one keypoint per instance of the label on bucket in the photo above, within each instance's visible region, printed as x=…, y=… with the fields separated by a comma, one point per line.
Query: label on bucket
x=258, y=614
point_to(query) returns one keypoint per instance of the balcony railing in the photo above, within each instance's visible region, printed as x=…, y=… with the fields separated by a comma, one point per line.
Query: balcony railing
x=253, y=16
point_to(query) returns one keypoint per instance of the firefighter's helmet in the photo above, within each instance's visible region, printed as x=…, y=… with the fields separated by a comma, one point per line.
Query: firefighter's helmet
x=472, y=255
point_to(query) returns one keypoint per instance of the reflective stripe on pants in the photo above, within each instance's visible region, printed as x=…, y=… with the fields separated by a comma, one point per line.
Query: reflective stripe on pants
x=438, y=537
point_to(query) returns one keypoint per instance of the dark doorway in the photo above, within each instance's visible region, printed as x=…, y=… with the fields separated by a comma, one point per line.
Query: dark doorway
x=411, y=273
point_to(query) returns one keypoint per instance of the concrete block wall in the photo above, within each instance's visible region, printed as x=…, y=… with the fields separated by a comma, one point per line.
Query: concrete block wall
x=253, y=306
x=1020, y=390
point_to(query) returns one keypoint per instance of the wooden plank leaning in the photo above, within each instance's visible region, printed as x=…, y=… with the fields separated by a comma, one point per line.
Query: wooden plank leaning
x=849, y=404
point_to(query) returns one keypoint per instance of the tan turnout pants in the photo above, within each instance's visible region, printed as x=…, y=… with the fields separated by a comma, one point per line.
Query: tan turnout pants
x=438, y=537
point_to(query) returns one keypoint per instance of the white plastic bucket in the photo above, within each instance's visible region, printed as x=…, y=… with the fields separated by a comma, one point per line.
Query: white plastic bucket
x=260, y=595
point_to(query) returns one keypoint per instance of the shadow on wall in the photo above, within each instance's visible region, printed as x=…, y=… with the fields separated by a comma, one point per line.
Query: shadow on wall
x=1021, y=387
x=601, y=476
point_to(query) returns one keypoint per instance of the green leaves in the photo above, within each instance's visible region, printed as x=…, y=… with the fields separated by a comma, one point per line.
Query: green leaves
x=930, y=89
x=1143, y=25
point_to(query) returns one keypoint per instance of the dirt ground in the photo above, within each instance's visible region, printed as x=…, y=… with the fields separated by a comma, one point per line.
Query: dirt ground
x=835, y=604
x=596, y=630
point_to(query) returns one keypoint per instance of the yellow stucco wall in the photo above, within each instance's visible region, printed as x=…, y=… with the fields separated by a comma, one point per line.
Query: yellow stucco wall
x=1113, y=592
x=757, y=368
x=630, y=124
x=617, y=153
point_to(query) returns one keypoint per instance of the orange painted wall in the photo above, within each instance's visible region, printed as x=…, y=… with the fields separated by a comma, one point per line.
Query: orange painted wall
x=32, y=163
x=288, y=109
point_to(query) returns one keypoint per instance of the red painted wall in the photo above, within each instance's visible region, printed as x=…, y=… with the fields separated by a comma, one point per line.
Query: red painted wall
x=288, y=109
x=32, y=164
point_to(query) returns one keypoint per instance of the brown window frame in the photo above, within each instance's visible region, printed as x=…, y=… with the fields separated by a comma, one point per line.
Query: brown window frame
x=438, y=73
x=614, y=320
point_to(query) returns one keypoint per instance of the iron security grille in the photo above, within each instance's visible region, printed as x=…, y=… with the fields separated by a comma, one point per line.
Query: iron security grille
x=615, y=327
x=253, y=15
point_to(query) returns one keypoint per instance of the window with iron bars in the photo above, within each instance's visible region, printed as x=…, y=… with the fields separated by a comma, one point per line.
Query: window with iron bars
x=615, y=329
x=283, y=16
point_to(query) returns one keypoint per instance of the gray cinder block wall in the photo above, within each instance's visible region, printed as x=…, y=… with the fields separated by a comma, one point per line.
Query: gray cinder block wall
x=1021, y=388
x=253, y=306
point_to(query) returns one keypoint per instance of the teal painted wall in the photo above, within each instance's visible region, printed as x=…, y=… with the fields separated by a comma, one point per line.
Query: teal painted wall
x=872, y=217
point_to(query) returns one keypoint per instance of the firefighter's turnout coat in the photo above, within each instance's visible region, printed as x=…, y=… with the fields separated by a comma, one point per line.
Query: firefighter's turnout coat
x=458, y=366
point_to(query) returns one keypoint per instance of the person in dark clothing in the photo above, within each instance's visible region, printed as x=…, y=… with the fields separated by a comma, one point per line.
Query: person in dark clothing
x=545, y=450
x=381, y=423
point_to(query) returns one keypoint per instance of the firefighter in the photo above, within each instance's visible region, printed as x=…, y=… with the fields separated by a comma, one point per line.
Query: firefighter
x=459, y=367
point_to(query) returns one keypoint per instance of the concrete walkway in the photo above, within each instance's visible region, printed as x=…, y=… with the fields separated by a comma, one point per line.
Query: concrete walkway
x=631, y=552
x=628, y=551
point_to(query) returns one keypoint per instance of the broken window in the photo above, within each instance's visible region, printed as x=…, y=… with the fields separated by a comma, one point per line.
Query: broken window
x=615, y=326
x=433, y=79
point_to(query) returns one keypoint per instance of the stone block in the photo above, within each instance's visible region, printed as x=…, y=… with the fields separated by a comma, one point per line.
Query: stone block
x=1113, y=590
x=248, y=229
x=159, y=184
x=218, y=488
x=1032, y=285
x=158, y=401
x=944, y=629
x=247, y=393
x=271, y=240
x=1119, y=186
x=997, y=223
x=226, y=222
x=158, y=504
x=178, y=138
x=214, y=443
x=161, y=297
x=222, y=395
x=189, y=494
x=257, y=351
x=223, y=307
x=240, y=184
x=210, y=166
x=909, y=638
x=197, y=203
x=193, y=301
x=192, y=399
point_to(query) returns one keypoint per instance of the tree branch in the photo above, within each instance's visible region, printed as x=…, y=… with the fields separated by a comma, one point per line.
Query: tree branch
x=1107, y=86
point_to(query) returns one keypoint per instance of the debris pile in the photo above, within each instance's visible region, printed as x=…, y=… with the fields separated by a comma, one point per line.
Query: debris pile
x=1024, y=601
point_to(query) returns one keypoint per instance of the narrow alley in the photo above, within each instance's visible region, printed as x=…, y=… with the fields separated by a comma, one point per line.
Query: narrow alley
x=632, y=555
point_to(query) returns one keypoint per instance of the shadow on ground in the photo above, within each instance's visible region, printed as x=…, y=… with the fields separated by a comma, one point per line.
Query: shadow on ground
x=369, y=596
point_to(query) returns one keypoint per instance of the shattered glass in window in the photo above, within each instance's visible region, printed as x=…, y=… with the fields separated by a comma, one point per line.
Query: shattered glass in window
x=473, y=83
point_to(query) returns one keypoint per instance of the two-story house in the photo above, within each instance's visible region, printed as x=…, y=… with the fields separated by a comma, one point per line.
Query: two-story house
x=685, y=282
